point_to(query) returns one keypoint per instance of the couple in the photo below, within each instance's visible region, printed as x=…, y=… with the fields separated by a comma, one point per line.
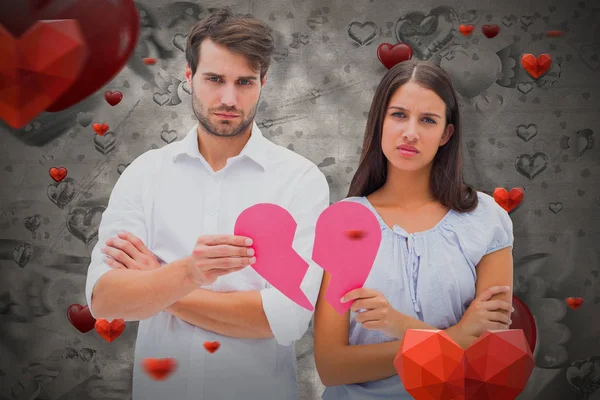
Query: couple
x=165, y=255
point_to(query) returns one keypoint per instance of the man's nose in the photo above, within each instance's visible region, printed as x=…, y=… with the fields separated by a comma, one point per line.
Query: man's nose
x=229, y=96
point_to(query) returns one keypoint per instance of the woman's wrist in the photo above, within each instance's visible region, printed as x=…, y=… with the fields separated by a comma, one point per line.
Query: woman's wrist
x=458, y=335
x=400, y=326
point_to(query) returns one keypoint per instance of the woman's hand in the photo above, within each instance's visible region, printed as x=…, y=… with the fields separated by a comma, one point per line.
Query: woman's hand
x=128, y=251
x=485, y=314
x=378, y=314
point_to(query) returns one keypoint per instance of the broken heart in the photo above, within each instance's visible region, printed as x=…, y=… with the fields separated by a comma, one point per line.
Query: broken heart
x=338, y=228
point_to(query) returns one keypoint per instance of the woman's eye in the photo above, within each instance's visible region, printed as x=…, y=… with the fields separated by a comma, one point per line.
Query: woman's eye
x=429, y=120
x=398, y=114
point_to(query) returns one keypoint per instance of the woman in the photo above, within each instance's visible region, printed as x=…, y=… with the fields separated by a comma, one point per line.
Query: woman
x=445, y=259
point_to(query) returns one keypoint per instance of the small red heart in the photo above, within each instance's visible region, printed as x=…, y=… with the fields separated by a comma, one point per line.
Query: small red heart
x=113, y=98
x=100, y=129
x=466, y=29
x=391, y=55
x=536, y=67
x=31, y=76
x=574, y=302
x=110, y=330
x=554, y=33
x=159, y=369
x=490, y=31
x=355, y=234
x=81, y=317
x=508, y=200
x=211, y=347
x=58, y=174
x=149, y=60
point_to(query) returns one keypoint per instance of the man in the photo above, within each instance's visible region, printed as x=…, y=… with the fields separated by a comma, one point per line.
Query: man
x=179, y=204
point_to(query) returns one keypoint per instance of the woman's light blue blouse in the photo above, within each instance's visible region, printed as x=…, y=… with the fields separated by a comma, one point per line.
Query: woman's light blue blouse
x=427, y=275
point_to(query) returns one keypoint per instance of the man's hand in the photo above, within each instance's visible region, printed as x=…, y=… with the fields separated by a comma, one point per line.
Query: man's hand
x=485, y=314
x=218, y=255
x=128, y=251
x=378, y=313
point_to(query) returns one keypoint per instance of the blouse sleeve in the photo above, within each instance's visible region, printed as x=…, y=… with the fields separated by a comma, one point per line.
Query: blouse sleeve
x=502, y=229
x=484, y=230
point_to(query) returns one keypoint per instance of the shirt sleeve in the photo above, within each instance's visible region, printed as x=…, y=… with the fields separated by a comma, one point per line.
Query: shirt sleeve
x=289, y=321
x=501, y=227
x=123, y=213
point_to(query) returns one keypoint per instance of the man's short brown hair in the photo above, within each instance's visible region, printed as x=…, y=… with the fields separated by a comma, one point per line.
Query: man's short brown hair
x=242, y=34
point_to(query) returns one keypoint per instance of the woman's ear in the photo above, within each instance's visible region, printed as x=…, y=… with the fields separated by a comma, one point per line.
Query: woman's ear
x=447, y=134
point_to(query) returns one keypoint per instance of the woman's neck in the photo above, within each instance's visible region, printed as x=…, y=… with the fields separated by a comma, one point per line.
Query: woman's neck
x=407, y=189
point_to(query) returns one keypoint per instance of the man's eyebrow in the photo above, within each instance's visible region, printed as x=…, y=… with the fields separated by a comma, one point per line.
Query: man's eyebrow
x=248, y=78
x=425, y=113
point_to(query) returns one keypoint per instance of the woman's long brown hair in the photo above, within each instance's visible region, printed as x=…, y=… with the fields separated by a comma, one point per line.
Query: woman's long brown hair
x=447, y=184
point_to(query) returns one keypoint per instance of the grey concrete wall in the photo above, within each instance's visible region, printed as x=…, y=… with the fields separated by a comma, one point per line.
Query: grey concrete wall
x=320, y=86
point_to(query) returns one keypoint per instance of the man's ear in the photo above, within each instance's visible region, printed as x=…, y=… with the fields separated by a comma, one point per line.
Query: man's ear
x=447, y=134
x=188, y=74
x=264, y=80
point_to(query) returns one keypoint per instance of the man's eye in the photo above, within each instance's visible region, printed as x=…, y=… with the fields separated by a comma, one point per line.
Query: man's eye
x=244, y=82
x=213, y=79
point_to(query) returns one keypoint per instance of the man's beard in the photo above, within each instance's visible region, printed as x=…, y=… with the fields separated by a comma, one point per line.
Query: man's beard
x=226, y=128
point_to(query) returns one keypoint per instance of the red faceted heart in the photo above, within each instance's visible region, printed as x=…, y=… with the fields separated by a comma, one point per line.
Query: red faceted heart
x=433, y=367
x=536, y=67
x=110, y=330
x=110, y=29
x=81, y=318
x=58, y=174
x=159, y=369
x=100, y=129
x=508, y=200
x=31, y=76
x=391, y=55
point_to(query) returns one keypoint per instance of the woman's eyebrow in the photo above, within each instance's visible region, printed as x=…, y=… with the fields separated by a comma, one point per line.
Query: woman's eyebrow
x=425, y=113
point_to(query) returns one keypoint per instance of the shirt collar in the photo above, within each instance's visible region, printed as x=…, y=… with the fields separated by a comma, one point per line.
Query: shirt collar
x=255, y=149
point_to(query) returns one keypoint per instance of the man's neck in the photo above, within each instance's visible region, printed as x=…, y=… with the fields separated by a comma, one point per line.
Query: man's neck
x=216, y=150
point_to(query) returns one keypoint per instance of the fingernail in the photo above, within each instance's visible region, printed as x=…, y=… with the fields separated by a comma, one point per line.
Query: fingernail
x=512, y=309
x=507, y=287
x=252, y=260
x=250, y=252
x=343, y=300
x=248, y=242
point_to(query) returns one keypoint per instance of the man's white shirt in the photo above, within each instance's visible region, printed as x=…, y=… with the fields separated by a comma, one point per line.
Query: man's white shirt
x=169, y=197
